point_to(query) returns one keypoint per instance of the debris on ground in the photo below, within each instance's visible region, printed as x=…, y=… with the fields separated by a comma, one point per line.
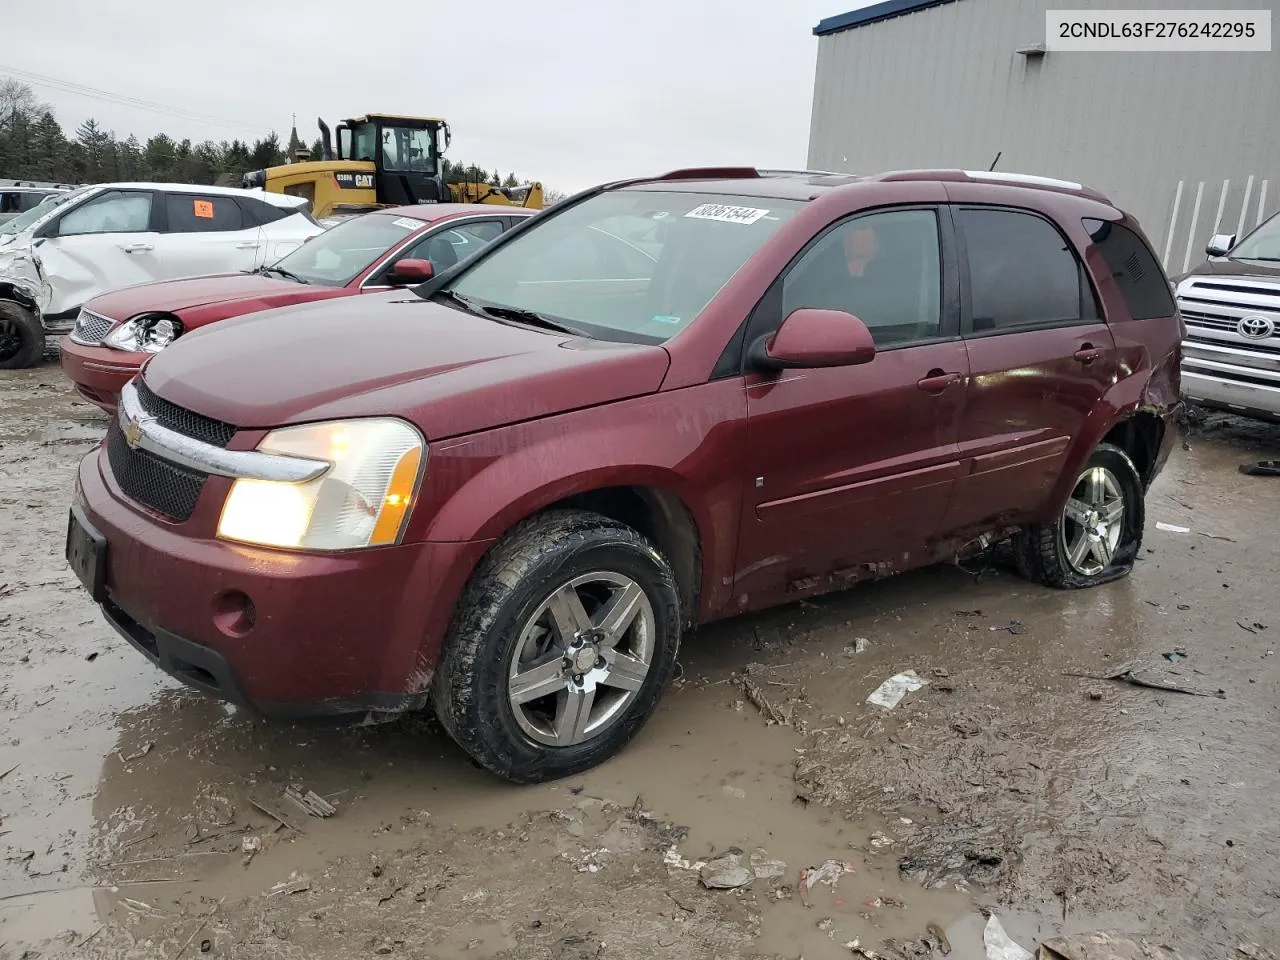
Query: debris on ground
x=1013, y=627
x=1252, y=951
x=941, y=859
x=859, y=645
x=1172, y=528
x=146, y=748
x=251, y=845
x=673, y=860
x=1261, y=468
x=295, y=884
x=1128, y=675
x=751, y=690
x=1109, y=945
x=1174, y=656
x=310, y=802
x=765, y=867
x=935, y=930
x=880, y=902
x=725, y=872
x=895, y=688
x=829, y=874
x=1000, y=946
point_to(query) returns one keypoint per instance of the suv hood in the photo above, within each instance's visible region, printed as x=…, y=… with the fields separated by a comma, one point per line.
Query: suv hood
x=449, y=371
x=174, y=296
x=1262, y=269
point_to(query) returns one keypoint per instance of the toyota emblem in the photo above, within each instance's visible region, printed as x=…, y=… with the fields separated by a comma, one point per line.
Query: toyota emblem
x=1255, y=327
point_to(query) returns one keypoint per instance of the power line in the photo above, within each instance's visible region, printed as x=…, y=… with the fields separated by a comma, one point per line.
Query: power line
x=97, y=93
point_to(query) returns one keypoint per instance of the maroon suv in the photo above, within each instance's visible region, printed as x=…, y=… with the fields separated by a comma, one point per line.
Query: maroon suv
x=509, y=491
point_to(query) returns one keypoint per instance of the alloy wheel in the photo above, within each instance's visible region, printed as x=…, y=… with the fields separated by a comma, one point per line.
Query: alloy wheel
x=581, y=659
x=1093, y=521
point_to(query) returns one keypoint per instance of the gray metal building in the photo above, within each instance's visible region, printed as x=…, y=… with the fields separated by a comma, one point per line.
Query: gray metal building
x=1189, y=143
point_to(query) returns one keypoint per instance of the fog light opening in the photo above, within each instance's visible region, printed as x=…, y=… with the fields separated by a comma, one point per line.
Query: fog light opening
x=234, y=613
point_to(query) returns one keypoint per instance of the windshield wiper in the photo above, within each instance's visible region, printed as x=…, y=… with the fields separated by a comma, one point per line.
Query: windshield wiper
x=459, y=300
x=1263, y=259
x=283, y=272
x=532, y=318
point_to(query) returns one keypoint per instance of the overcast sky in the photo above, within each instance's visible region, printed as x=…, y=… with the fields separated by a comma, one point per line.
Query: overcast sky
x=570, y=92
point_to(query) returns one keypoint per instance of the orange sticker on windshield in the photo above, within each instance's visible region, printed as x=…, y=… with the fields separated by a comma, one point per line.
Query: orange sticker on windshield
x=203, y=209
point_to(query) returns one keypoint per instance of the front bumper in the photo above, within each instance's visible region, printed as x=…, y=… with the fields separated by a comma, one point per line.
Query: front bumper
x=1259, y=400
x=99, y=373
x=329, y=635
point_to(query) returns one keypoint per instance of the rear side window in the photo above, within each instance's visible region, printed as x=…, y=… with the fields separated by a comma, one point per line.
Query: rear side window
x=1133, y=266
x=192, y=213
x=1022, y=272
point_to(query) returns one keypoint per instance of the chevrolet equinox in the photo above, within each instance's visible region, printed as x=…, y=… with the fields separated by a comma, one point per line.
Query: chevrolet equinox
x=508, y=491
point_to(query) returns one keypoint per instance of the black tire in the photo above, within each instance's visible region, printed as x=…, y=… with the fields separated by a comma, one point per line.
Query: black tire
x=21, y=337
x=470, y=688
x=1041, y=551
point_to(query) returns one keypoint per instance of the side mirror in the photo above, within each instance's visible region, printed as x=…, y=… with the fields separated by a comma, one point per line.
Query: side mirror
x=815, y=338
x=412, y=271
x=1220, y=244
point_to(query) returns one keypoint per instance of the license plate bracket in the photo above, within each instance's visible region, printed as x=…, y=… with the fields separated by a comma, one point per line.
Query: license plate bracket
x=86, y=553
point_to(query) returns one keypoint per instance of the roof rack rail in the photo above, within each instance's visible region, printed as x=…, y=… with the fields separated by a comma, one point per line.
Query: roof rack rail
x=997, y=177
x=775, y=171
x=711, y=173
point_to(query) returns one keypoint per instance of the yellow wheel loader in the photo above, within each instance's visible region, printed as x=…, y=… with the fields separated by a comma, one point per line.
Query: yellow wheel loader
x=383, y=161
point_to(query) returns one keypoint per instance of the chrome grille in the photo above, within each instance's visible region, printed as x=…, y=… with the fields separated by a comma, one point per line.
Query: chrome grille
x=168, y=489
x=90, y=328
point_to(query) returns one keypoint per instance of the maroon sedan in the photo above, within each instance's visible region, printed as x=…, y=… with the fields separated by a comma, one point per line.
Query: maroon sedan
x=510, y=492
x=115, y=333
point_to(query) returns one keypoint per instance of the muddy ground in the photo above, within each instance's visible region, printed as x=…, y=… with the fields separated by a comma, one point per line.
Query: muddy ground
x=143, y=821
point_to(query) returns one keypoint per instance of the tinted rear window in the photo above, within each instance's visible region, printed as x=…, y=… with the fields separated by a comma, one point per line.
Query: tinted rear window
x=193, y=213
x=1136, y=271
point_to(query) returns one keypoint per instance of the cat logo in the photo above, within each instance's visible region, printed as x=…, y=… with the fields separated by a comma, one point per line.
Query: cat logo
x=364, y=181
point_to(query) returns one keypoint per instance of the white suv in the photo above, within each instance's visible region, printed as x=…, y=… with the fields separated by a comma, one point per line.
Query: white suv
x=77, y=245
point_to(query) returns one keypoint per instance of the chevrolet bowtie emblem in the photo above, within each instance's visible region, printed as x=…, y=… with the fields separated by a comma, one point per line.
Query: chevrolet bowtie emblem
x=132, y=430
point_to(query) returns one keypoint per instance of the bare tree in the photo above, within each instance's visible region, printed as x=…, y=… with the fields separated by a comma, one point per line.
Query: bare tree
x=17, y=97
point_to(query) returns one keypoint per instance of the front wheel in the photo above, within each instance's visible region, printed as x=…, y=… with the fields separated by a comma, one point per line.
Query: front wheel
x=1097, y=535
x=21, y=337
x=561, y=647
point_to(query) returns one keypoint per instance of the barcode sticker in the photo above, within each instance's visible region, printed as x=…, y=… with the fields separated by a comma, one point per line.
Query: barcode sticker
x=725, y=213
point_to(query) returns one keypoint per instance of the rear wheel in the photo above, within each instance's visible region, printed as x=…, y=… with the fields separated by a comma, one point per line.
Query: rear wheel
x=1096, y=538
x=561, y=647
x=21, y=337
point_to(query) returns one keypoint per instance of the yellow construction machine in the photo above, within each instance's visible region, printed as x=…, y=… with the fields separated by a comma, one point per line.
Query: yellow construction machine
x=383, y=161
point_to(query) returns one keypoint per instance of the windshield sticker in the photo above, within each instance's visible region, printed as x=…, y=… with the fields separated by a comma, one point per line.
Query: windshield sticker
x=407, y=223
x=663, y=318
x=726, y=213
x=203, y=209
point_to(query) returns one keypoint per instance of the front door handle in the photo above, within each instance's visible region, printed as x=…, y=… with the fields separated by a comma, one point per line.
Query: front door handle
x=937, y=381
x=138, y=248
x=1087, y=353
x=248, y=246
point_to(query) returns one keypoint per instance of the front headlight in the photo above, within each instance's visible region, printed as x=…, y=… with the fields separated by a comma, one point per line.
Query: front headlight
x=145, y=333
x=362, y=501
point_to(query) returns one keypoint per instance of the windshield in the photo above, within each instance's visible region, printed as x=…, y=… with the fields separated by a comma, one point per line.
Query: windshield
x=41, y=210
x=343, y=252
x=1262, y=244
x=407, y=150
x=628, y=265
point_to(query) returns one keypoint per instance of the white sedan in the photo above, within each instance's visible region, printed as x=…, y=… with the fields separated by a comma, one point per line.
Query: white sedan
x=90, y=241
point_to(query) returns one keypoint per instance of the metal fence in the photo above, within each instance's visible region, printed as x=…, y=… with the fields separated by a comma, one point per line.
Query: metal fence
x=1199, y=209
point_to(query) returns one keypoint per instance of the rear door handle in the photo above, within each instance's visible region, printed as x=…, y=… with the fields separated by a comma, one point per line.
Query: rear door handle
x=248, y=246
x=1087, y=353
x=937, y=381
x=138, y=248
